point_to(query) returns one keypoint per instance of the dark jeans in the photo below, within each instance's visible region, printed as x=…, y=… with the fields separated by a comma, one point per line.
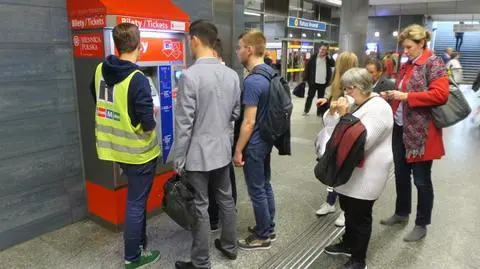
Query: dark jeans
x=140, y=180
x=258, y=175
x=358, y=225
x=458, y=43
x=312, y=89
x=422, y=177
x=213, y=209
x=331, y=197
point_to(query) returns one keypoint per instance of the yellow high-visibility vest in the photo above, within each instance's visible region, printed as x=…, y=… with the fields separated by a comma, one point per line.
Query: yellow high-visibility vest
x=116, y=139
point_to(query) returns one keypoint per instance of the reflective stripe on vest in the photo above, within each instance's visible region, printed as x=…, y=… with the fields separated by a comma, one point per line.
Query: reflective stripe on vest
x=120, y=133
x=126, y=149
x=116, y=138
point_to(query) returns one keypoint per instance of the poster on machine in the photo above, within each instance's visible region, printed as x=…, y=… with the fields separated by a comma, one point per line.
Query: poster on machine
x=166, y=110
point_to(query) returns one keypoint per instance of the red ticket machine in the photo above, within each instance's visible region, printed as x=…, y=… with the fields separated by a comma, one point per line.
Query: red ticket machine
x=163, y=26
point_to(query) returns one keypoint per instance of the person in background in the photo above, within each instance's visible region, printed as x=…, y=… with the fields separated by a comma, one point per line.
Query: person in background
x=207, y=102
x=134, y=112
x=454, y=68
x=388, y=64
x=417, y=142
x=213, y=209
x=345, y=61
x=381, y=82
x=318, y=73
x=268, y=61
x=252, y=152
x=446, y=55
x=367, y=182
x=459, y=39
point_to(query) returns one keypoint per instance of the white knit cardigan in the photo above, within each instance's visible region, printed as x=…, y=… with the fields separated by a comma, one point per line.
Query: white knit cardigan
x=368, y=182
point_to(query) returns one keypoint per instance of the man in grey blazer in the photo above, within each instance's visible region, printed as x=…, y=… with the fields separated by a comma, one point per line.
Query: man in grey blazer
x=208, y=100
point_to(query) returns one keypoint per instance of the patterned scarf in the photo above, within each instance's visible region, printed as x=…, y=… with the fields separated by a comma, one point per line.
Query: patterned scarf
x=416, y=120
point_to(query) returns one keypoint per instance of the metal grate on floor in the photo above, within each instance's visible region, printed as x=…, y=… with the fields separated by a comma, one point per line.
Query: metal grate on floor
x=308, y=246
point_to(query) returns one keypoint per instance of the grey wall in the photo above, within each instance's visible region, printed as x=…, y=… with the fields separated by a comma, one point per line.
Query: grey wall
x=41, y=182
x=229, y=18
x=386, y=26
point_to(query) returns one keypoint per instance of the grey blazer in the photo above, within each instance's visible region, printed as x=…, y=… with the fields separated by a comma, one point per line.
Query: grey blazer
x=208, y=100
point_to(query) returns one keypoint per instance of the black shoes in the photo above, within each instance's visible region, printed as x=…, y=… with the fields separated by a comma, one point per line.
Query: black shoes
x=272, y=236
x=214, y=227
x=338, y=249
x=184, y=265
x=226, y=253
x=354, y=265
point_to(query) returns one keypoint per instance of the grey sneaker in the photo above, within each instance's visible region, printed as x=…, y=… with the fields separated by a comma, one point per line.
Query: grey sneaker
x=254, y=243
x=418, y=233
x=272, y=236
x=395, y=219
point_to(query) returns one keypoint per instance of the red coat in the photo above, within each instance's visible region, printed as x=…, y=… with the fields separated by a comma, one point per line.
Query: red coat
x=437, y=94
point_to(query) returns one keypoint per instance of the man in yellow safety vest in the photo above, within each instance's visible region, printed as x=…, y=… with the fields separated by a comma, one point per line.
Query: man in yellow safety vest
x=125, y=133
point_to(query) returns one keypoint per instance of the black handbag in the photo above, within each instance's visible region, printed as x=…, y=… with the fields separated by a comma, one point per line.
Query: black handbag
x=455, y=110
x=299, y=91
x=178, y=202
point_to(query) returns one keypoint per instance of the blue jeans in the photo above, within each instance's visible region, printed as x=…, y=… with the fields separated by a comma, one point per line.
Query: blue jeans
x=140, y=180
x=257, y=175
x=422, y=178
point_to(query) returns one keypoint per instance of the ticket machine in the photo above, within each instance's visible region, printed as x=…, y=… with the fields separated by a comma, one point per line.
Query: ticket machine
x=163, y=26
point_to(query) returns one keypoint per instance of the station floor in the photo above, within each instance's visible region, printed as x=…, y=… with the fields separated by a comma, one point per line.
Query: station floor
x=453, y=240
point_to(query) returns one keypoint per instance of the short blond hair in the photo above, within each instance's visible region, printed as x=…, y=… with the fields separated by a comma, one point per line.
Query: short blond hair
x=257, y=40
x=416, y=33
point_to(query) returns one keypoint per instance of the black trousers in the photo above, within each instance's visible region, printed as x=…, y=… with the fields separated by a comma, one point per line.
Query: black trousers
x=358, y=225
x=213, y=209
x=422, y=178
x=319, y=89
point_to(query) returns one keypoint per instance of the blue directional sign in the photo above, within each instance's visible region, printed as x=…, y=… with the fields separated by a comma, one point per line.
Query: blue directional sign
x=166, y=110
x=300, y=23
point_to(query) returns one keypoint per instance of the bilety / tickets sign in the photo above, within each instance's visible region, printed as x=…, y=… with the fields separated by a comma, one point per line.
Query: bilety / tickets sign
x=88, y=22
x=88, y=45
x=154, y=24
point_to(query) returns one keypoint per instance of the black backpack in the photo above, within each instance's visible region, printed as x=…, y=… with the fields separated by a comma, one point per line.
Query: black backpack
x=276, y=121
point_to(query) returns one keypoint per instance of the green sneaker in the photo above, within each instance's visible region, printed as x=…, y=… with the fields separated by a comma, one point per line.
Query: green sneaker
x=147, y=258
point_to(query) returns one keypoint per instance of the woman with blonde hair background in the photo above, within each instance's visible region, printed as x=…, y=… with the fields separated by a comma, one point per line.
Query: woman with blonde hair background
x=345, y=61
x=422, y=85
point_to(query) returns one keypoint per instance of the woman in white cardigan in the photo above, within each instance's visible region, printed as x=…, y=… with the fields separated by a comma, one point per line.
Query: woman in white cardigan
x=367, y=182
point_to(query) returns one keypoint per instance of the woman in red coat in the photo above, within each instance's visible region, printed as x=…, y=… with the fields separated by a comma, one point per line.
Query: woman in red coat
x=422, y=84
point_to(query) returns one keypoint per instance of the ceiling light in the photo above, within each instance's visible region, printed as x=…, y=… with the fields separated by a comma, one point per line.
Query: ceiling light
x=252, y=14
x=335, y=2
x=377, y=34
x=319, y=35
x=395, y=33
x=290, y=35
x=304, y=35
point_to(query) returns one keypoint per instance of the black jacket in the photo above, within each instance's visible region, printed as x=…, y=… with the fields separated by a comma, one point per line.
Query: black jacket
x=311, y=69
x=384, y=84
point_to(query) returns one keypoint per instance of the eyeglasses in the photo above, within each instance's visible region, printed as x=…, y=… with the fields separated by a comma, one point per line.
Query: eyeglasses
x=349, y=88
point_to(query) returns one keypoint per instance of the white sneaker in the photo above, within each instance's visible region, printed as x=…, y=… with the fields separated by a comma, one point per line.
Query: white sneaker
x=325, y=209
x=340, y=222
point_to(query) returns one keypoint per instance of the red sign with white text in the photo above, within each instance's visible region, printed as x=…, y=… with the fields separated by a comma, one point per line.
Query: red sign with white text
x=154, y=24
x=155, y=49
x=88, y=45
x=88, y=22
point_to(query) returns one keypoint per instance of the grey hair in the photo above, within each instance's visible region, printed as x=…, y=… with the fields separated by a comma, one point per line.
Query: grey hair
x=358, y=77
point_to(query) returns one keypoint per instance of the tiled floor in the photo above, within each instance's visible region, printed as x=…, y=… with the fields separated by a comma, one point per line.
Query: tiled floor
x=453, y=240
